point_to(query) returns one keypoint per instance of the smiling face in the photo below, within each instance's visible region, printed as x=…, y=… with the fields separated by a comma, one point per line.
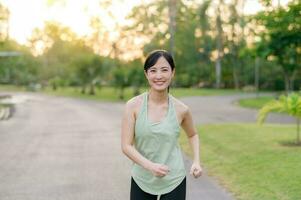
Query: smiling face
x=159, y=76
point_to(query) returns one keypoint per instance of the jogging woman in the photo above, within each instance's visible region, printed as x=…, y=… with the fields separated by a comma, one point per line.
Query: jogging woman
x=149, y=137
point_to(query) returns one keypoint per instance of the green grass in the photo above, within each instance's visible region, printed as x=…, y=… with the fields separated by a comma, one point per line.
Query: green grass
x=253, y=162
x=182, y=92
x=256, y=103
x=104, y=94
x=12, y=88
x=111, y=94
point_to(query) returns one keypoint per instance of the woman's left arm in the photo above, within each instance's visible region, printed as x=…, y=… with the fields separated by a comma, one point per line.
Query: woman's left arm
x=193, y=137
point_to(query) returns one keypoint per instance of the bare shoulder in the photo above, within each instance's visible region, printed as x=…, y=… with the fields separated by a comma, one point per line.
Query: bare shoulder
x=181, y=109
x=180, y=105
x=134, y=104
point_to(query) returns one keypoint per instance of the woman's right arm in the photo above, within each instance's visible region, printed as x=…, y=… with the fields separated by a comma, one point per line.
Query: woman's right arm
x=127, y=143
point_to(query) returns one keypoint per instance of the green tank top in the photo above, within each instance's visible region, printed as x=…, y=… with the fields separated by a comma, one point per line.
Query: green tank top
x=158, y=142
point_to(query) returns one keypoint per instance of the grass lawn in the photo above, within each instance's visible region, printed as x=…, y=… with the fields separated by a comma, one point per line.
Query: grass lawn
x=111, y=94
x=104, y=94
x=256, y=103
x=253, y=162
x=11, y=88
x=181, y=92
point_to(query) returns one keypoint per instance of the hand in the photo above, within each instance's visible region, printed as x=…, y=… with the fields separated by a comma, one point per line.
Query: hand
x=196, y=170
x=159, y=170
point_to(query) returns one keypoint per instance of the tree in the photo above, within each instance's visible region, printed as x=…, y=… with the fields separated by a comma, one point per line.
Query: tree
x=205, y=43
x=120, y=80
x=172, y=12
x=88, y=70
x=236, y=41
x=65, y=57
x=219, y=44
x=286, y=104
x=4, y=23
x=135, y=75
x=20, y=69
x=283, y=39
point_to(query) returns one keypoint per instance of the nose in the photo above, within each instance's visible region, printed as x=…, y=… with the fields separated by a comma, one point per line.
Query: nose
x=158, y=75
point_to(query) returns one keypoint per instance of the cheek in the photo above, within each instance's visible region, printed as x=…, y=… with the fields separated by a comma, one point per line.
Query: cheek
x=150, y=76
x=170, y=75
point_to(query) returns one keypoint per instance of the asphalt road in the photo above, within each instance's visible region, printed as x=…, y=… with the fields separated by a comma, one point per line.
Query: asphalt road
x=56, y=148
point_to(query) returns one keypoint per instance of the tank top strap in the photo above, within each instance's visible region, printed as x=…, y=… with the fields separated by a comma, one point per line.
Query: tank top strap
x=170, y=105
x=144, y=104
x=142, y=111
x=172, y=111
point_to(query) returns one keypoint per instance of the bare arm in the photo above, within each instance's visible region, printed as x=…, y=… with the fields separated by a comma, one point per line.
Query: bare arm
x=193, y=137
x=127, y=143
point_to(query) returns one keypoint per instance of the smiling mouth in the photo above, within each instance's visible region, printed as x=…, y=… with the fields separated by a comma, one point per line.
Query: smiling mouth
x=160, y=82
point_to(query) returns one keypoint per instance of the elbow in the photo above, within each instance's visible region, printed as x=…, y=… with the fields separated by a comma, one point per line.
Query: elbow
x=194, y=135
x=125, y=148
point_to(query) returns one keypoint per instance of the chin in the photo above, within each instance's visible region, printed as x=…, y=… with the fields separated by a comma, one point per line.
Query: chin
x=159, y=88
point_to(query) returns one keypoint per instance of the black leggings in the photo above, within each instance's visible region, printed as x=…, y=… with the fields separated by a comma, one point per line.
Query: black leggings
x=179, y=193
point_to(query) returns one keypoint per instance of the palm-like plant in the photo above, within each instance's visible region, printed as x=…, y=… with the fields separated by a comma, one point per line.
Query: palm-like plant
x=290, y=104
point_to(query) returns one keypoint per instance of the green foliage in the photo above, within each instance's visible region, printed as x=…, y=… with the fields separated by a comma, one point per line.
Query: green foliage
x=66, y=59
x=282, y=38
x=256, y=103
x=252, y=162
x=286, y=104
x=19, y=70
x=290, y=105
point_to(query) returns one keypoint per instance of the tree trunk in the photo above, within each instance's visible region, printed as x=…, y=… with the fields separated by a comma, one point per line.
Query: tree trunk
x=172, y=10
x=121, y=93
x=235, y=76
x=54, y=87
x=256, y=81
x=83, y=90
x=298, y=131
x=218, y=72
x=92, y=89
x=292, y=80
x=287, y=83
x=218, y=65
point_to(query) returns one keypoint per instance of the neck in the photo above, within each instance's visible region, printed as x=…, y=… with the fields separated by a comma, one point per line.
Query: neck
x=158, y=97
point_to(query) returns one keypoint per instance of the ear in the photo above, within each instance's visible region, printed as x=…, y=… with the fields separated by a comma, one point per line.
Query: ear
x=173, y=72
x=145, y=73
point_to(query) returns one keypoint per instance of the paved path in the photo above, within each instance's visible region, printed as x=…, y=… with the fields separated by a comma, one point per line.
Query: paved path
x=223, y=109
x=61, y=148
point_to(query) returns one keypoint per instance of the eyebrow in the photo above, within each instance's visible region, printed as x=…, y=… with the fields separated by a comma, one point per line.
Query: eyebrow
x=160, y=67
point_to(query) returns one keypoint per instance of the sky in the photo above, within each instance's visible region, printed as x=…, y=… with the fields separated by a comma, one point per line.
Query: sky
x=29, y=14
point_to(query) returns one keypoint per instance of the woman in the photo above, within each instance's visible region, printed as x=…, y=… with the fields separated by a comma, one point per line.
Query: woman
x=150, y=129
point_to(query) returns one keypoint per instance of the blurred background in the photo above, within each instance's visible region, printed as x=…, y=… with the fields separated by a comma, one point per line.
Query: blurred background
x=230, y=55
x=232, y=44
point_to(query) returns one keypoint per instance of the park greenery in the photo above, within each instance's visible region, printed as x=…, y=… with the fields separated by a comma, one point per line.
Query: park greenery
x=255, y=102
x=216, y=46
x=214, y=43
x=251, y=161
x=286, y=104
